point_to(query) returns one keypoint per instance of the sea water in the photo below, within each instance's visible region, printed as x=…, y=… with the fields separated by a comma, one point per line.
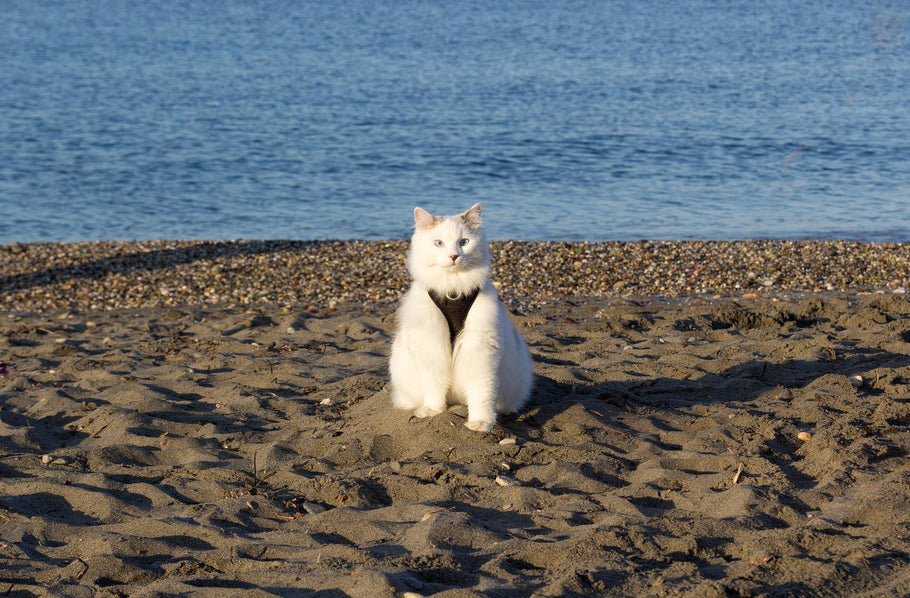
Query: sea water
x=567, y=119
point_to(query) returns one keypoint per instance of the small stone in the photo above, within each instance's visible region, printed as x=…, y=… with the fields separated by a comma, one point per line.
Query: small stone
x=460, y=410
x=46, y=459
x=313, y=508
x=326, y=402
x=291, y=330
x=750, y=296
x=413, y=583
x=857, y=380
x=507, y=441
x=804, y=436
x=505, y=480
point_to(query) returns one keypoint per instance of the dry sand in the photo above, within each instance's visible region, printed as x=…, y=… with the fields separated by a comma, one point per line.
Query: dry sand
x=686, y=447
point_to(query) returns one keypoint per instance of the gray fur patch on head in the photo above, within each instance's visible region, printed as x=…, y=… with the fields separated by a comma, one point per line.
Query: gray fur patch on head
x=471, y=218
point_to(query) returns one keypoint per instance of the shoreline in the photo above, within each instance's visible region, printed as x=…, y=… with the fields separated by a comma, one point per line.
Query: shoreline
x=103, y=276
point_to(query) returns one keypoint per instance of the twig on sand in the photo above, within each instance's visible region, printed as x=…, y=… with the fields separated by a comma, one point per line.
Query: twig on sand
x=739, y=471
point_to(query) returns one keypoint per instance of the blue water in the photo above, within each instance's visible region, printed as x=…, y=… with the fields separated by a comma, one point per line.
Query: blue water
x=597, y=120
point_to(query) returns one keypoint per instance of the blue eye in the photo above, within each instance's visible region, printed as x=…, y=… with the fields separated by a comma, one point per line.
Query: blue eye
x=437, y=243
x=464, y=242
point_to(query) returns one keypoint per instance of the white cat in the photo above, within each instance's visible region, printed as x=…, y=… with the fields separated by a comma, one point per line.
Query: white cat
x=435, y=362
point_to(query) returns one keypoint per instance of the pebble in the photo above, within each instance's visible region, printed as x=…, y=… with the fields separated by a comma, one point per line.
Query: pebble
x=51, y=460
x=506, y=441
x=505, y=480
x=857, y=380
x=313, y=508
x=804, y=436
x=116, y=275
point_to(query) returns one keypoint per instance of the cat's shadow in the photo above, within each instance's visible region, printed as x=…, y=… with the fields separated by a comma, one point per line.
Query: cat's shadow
x=737, y=386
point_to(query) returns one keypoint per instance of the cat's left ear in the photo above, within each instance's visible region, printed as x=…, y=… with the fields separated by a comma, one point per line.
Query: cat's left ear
x=471, y=218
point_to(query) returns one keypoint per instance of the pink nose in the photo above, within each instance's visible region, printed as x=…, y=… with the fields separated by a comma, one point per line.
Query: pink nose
x=453, y=257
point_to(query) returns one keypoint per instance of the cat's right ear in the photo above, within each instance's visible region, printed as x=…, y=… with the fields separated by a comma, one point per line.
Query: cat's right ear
x=423, y=219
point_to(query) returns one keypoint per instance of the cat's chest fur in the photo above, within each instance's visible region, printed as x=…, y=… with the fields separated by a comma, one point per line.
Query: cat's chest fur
x=454, y=310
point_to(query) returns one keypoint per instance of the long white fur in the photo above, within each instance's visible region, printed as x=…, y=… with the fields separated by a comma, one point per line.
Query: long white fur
x=488, y=368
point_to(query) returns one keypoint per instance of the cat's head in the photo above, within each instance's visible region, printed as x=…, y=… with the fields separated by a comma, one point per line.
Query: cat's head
x=449, y=254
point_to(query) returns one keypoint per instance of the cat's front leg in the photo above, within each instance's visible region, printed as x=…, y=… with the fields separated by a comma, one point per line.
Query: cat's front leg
x=476, y=363
x=434, y=371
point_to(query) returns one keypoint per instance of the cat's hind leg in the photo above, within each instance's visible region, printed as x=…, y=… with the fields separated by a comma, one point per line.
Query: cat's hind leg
x=516, y=375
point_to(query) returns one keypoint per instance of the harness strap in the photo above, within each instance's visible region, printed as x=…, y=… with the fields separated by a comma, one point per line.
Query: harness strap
x=455, y=311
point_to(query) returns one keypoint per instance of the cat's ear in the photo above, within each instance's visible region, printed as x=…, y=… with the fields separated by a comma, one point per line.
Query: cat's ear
x=423, y=219
x=471, y=218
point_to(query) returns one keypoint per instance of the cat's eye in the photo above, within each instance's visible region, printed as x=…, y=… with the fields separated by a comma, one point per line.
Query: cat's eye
x=438, y=242
x=464, y=242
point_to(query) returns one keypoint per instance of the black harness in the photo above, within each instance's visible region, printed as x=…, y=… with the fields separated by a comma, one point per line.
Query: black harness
x=454, y=310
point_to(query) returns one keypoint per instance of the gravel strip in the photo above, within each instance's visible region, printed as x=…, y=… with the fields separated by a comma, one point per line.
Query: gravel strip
x=322, y=274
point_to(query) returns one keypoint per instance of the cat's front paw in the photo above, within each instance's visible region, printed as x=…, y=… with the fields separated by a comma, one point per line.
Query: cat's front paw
x=424, y=411
x=480, y=425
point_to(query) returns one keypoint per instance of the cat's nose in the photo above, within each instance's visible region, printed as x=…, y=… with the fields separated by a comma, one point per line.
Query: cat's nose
x=453, y=257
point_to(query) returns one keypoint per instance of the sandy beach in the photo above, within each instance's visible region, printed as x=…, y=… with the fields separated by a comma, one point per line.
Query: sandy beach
x=213, y=419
